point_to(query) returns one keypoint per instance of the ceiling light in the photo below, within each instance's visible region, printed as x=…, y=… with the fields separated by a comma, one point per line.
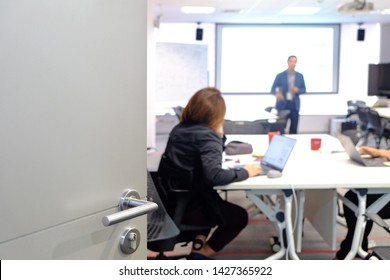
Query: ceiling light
x=301, y=11
x=197, y=10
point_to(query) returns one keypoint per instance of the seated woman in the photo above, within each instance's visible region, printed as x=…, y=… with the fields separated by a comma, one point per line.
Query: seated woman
x=193, y=158
x=350, y=216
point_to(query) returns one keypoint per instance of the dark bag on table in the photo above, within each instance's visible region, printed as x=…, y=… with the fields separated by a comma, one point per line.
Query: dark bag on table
x=238, y=148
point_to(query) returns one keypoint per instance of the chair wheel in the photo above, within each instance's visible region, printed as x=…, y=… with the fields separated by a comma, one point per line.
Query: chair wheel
x=275, y=244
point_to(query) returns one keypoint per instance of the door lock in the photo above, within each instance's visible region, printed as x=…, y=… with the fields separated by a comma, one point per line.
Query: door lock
x=130, y=240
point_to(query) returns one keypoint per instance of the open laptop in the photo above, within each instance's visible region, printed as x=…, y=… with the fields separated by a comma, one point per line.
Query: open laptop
x=277, y=154
x=354, y=155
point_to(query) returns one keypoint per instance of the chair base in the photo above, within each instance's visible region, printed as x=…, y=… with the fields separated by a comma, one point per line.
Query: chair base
x=162, y=256
x=380, y=253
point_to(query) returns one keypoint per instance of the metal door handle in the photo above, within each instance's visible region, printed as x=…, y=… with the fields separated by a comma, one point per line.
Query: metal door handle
x=130, y=206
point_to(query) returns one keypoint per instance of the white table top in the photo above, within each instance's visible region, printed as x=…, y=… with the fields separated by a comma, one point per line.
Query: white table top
x=383, y=112
x=306, y=169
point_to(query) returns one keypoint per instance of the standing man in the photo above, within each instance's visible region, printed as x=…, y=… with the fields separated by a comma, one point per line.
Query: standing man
x=287, y=87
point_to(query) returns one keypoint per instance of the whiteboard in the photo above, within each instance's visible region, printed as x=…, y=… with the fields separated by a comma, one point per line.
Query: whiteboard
x=181, y=70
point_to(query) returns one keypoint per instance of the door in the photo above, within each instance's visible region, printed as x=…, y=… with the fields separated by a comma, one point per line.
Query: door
x=72, y=122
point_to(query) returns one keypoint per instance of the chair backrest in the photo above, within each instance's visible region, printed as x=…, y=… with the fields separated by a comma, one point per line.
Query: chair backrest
x=178, y=111
x=354, y=104
x=164, y=229
x=160, y=226
x=244, y=127
x=361, y=111
x=374, y=121
x=280, y=123
x=283, y=114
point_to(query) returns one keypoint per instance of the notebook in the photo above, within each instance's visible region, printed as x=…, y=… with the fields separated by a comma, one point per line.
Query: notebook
x=354, y=155
x=277, y=154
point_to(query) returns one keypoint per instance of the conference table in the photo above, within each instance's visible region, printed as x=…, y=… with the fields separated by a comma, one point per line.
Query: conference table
x=310, y=182
x=384, y=112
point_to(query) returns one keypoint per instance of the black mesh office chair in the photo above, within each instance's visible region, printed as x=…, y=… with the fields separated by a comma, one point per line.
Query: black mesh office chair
x=280, y=123
x=244, y=127
x=353, y=105
x=160, y=227
x=378, y=127
x=362, y=124
x=379, y=252
x=178, y=111
x=165, y=230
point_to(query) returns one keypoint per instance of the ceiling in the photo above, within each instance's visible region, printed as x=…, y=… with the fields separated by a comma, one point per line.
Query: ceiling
x=267, y=11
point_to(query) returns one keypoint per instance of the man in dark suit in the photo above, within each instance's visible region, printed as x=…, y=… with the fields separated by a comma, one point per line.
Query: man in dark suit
x=287, y=87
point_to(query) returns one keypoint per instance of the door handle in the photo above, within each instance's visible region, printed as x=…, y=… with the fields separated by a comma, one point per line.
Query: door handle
x=130, y=206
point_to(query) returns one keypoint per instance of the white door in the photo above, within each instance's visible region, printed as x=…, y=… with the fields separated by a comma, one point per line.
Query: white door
x=72, y=124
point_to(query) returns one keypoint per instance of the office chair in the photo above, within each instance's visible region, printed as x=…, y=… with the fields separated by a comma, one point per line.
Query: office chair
x=362, y=125
x=165, y=230
x=271, y=109
x=178, y=111
x=379, y=252
x=244, y=127
x=353, y=105
x=160, y=226
x=378, y=127
x=280, y=123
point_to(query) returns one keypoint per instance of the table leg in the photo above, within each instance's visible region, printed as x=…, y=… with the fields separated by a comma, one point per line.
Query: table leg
x=300, y=217
x=356, y=246
x=276, y=216
x=288, y=222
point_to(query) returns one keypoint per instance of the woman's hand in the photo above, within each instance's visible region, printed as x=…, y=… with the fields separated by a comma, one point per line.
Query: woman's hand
x=253, y=170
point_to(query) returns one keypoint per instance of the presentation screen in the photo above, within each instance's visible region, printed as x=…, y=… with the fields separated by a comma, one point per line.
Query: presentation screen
x=248, y=57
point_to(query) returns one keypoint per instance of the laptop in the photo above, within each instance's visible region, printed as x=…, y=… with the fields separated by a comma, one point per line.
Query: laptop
x=354, y=155
x=277, y=154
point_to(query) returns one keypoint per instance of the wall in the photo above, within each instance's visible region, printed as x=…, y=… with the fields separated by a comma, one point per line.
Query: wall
x=385, y=43
x=181, y=70
x=354, y=58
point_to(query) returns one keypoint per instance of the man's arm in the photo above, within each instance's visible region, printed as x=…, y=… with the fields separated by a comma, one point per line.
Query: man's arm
x=275, y=85
x=300, y=84
x=277, y=88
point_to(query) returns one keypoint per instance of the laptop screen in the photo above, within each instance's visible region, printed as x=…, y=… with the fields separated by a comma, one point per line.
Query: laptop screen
x=349, y=147
x=278, y=152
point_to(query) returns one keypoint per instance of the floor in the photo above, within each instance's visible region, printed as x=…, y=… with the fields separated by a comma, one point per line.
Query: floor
x=253, y=243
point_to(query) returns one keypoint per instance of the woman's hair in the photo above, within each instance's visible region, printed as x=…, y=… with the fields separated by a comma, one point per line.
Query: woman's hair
x=206, y=106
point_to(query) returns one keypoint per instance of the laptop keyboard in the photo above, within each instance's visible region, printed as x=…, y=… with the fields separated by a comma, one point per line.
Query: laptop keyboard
x=374, y=161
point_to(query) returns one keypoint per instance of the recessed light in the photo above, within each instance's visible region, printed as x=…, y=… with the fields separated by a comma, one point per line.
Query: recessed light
x=197, y=10
x=301, y=11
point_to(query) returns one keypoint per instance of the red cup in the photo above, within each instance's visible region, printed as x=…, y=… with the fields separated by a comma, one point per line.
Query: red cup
x=315, y=144
x=271, y=134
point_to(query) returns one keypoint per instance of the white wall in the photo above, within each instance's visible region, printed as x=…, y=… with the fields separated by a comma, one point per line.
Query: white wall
x=354, y=59
x=385, y=43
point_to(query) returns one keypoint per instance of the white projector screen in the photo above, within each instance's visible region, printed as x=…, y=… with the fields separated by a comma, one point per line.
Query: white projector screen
x=250, y=56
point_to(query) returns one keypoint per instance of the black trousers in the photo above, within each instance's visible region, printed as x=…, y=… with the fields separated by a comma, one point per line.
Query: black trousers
x=235, y=219
x=294, y=118
x=350, y=217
